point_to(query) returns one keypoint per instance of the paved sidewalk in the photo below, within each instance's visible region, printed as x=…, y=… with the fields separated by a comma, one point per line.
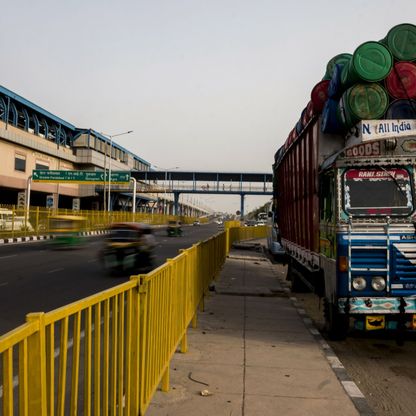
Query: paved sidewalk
x=255, y=354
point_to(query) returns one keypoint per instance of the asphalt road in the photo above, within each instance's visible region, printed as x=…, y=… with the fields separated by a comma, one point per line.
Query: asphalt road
x=34, y=278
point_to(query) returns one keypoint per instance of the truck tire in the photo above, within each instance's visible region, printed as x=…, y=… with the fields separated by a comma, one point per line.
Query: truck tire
x=336, y=324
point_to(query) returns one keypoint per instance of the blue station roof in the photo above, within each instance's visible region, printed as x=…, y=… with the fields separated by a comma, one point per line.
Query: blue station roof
x=36, y=108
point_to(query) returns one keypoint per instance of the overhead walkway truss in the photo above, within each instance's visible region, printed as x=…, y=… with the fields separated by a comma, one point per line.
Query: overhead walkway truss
x=220, y=183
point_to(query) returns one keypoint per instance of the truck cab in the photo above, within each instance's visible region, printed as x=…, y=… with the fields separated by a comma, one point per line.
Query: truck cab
x=367, y=237
x=345, y=208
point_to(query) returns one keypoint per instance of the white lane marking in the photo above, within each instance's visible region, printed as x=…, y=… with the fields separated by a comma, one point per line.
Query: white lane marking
x=55, y=270
x=4, y=284
x=8, y=257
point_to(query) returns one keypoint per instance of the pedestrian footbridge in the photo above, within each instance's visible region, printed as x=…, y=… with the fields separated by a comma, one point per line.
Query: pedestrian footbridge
x=192, y=182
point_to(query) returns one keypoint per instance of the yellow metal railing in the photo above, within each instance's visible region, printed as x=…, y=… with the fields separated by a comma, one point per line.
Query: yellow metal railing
x=108, y=353
x=245, y=233
x=18, y=222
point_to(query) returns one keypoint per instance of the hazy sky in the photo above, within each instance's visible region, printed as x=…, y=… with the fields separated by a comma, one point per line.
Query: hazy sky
x=206, y=85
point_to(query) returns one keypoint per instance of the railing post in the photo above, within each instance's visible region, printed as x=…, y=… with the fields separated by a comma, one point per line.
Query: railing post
x=165, y=380
x=136, y=347
x=184, y=343
x=188, y=299
x=37, y=366
x=202, y=303
x=227, y=241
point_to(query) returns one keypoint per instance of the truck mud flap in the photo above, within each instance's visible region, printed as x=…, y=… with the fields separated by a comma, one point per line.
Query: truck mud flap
x=401, y=324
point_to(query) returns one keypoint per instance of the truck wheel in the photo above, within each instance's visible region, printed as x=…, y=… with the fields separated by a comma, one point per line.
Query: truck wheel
x=336, y=324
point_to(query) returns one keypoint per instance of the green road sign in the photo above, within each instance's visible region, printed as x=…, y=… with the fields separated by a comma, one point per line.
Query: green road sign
x=79, y=176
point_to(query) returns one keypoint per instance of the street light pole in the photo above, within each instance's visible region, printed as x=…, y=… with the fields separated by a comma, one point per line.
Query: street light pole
x=109, y=167
x=134, y=194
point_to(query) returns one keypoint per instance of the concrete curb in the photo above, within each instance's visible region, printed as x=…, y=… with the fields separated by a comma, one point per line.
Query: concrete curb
x=27, y=239
x=351, y=388
x=353, y=391
x=24, y=239
x=92, y=233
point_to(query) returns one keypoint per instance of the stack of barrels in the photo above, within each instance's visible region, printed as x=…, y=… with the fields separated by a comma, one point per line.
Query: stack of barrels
x=377, y=81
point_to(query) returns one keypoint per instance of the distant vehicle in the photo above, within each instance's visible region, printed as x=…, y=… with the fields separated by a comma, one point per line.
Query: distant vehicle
x=250, y=223
x=219, y=222
x=66, y=230
x=174, y=228
x=262, y=216
x=196, y=223
x=128, y=248
x=261, y=222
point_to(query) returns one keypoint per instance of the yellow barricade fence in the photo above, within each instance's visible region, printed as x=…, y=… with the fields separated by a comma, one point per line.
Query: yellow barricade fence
x=246, y=233
x=19, y=222
x=108, y=353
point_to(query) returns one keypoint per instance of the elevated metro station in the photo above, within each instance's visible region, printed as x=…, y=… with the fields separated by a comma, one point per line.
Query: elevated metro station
x=32, y=138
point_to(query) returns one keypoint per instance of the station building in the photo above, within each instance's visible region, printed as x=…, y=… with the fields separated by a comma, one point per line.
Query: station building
x=33, y=138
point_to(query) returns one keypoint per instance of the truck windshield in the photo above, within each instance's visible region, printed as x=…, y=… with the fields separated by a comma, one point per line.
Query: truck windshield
x=377, y=191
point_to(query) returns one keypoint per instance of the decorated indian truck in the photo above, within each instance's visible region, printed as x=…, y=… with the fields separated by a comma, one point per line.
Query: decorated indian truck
x=345, y=207
x=344, y=188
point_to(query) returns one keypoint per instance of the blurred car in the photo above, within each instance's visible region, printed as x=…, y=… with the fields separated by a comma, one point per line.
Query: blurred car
x=128, y=248
x=196, y=222
x=174, y=228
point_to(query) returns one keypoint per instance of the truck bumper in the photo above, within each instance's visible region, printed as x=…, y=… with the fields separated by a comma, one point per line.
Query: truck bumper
x=369, y=305
x=380, y=313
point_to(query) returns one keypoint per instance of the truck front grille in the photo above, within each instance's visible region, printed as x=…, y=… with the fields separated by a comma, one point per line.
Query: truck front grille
x=404, y=258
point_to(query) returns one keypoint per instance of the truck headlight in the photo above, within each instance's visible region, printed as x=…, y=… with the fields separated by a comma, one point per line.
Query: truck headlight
x=359, y=283
x=378, y=283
